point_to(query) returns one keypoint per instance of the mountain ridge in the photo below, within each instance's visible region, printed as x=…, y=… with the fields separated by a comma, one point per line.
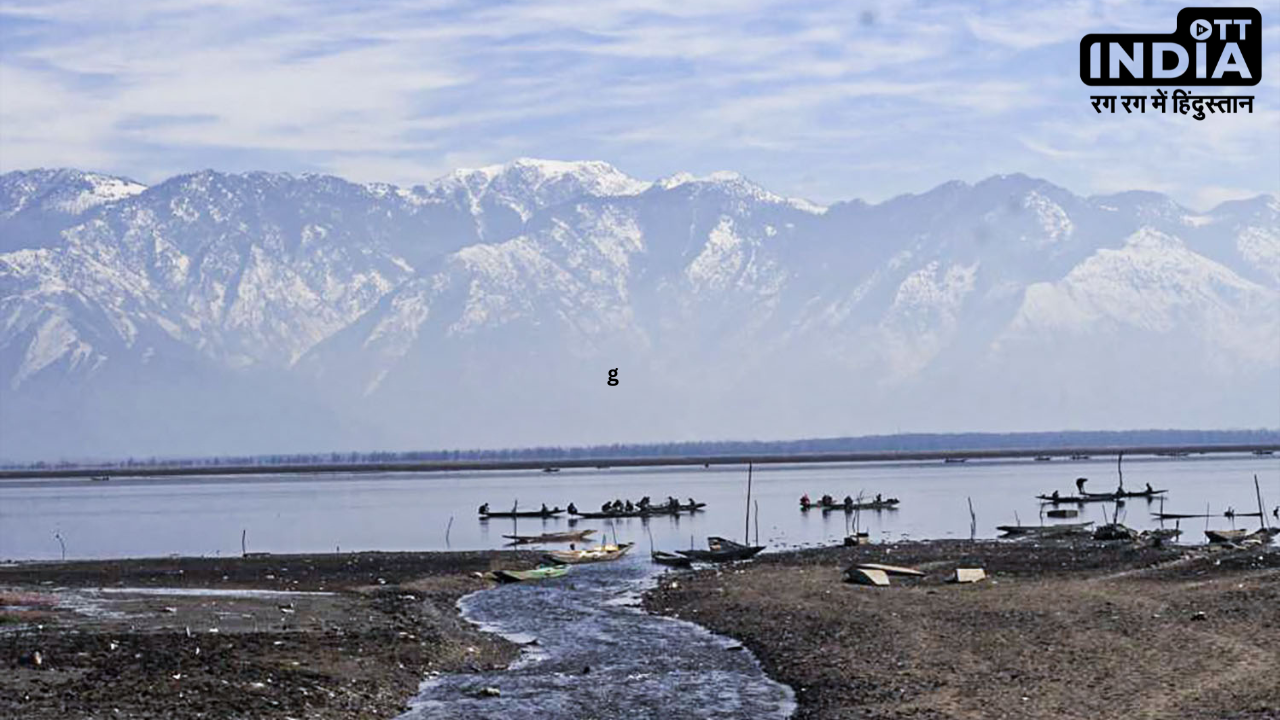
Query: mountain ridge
x=495, y=291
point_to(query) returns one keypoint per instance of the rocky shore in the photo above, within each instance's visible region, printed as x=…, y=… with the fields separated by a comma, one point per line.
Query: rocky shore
x=1072, y=629
x=317, y=636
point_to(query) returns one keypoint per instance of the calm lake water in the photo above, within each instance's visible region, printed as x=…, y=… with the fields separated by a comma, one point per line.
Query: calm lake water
x=319, y=513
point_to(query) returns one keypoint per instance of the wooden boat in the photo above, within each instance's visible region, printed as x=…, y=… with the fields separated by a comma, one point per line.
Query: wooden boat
x=955, y=460
x=1225, y=536
x=522, y=513
x=602, y=553
x=885, y=504
x=550, y=469
x=99, y=478
x=545, y=572
x=651, y=511
x=575, y=536
x=1044, y=530
x=1079, y=457
x=721, y=550
x=1062, y=513
x=1043, y=458
x=890, y=569
x=1077, y=499
x=670, y=559
x=1125, y=494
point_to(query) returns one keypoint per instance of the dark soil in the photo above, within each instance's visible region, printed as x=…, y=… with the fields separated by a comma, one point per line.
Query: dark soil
x=360, y=652
x=1059, y=630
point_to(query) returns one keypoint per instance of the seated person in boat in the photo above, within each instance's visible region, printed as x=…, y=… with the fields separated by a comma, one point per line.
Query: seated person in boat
x=573, y=509
x=1055, y=495
x=1080, y=484
x=672, y=503
x=848, y=501
x=692, y=505
x=879, y=499
x=828, y=500
x=606, y=507
x=1149, y=489
x=544, y=509
x=804, y=500
x=644, y=503
x=484, y=509
x=630, y=507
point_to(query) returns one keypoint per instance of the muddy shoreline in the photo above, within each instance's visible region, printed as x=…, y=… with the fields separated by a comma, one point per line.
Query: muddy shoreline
x=319, y=636
x=1059, y=630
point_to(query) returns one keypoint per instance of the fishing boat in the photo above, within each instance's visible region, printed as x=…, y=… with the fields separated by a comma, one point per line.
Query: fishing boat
x=1062, y=513
x=722, y=550
x=575, y=536
x=602, y=553
x=955, y=460
x=1043, y=458
x=1126, y=494
x=670, y=559
x=651, y=511
x=1044, y=530
x=99, y=478
x=1078, y=499
x=1225, y=536
x=553, y=512
x=885, y=504
x=545, y=572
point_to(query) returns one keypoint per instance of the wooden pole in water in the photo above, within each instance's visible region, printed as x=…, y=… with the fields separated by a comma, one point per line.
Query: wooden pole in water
x=447, y=528
x=757, y=522
x=746, y=529
x=243, y=531
x=973, y=522
x=1119, y=469
x=1262, y=513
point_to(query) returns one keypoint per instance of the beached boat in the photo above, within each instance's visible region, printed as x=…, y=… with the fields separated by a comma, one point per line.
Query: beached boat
x=670, y=559
x=521, y=513
x=575, y=536
x=545, y=572
x=1044, y=530
x=1225, y=536
x=602, y=553
x=722, y=550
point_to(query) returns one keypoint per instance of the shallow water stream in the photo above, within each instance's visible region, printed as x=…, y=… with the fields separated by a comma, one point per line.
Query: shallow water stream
x=592, y=653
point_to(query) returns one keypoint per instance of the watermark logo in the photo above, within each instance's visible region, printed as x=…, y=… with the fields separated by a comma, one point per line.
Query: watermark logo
x=1211, y=46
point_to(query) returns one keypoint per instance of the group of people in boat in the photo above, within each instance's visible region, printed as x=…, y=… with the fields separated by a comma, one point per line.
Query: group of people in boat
x=645, y=504
x=484, y=509
x=1119, y=491
x=828, y=501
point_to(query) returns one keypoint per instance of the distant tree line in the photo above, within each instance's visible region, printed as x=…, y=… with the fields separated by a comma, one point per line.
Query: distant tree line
x=911, y=442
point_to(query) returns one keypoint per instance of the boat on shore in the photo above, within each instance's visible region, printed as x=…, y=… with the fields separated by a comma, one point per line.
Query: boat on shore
x=722, y=550
x=1044, y=530
x=670, y=559
x=575, y=536
x=602, y=553
x=545, y=572
x=1225, y=536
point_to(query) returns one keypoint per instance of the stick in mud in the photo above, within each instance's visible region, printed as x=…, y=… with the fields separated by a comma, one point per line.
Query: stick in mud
x=446, y=533
x=973, y=522
x=746, y=527
x=1262, y=513
x=243, y=549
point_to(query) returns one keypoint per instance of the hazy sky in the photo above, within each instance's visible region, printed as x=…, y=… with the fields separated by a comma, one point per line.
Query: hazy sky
x=822, y=100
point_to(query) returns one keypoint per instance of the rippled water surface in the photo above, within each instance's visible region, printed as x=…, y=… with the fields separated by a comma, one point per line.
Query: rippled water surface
x=597, y=656
x=318, y=513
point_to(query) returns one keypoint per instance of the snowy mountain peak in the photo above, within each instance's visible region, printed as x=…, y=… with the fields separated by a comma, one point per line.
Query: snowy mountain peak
x=65, y=191
x=735, y=185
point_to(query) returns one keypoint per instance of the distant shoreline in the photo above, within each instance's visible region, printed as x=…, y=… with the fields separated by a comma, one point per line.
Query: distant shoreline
x=604, y=462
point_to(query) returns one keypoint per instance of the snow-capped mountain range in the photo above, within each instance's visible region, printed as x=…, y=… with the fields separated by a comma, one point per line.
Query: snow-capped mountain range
x=255, y=312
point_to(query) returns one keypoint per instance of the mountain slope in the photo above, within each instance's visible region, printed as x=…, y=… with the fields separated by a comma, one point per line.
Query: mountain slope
x=486, y=307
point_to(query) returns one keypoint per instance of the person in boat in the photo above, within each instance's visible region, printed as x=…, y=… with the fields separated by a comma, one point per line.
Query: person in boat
x=1150, y=490
x=573, y=509
x=879, y=499
x=617, y=505
x=644, y=503
x=692, y=505
x=1055, y=495
x=484, y=509
x=630, y=507
x=804, y=500
x=827, y=500
x=848, y=501
x=544, y=510
x=606, y=507
x=673, y=503
x=1080, y=485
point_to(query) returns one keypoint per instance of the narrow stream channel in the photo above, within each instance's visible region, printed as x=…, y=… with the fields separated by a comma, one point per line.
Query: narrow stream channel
x=592, y=653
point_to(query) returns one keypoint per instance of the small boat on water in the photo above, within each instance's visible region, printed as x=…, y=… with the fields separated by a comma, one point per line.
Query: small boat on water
x=955, y=460
x=1043, y=458
x=602, y=553
x=545, y=572
x=1044, y=530
x=1126, y=494
x=671, y=559
x=550, y=469
x=575, y=536
x=722, y=550
x=885, y=504
x=1076, y=499
x=1062, y=513
x=550, y=512
x=99, y=478
x=651, y=511
x=1079, y=457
